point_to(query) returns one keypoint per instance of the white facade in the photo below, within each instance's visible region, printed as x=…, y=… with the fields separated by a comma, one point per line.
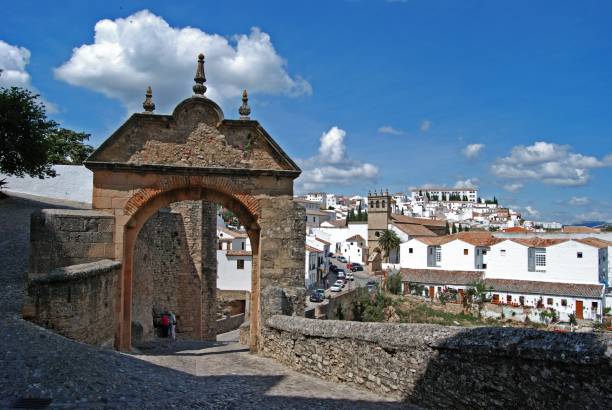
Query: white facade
x=460, y=255
x=353, y=249
x=234, y=260
x=413, y=254
x=338, y=235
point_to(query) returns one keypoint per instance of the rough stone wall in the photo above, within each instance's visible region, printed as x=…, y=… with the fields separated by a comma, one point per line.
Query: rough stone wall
x=63, y=237
x=229, y=323
x=76, y=301
x=449, y=367
x=167, y=259
x=209, y=271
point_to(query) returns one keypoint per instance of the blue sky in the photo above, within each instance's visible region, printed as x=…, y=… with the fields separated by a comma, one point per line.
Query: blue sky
x=365, y=94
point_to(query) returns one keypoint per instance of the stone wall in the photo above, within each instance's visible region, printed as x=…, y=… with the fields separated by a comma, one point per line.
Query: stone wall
x=76, y=301
x=229, y=323
x=169, y=261
x=63, y=237
x=449, y=367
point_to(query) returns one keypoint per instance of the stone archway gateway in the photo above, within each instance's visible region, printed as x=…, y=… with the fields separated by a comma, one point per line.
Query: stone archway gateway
x=195, y=154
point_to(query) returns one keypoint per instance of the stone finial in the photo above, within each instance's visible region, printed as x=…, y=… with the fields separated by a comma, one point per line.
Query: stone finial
x=244, y=109
x=148, y=104
x=199, y=88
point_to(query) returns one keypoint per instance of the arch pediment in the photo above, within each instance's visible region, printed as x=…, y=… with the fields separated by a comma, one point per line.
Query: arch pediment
x=196, y=136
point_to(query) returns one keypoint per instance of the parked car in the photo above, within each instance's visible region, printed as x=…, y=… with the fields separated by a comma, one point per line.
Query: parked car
x=316, y=297
x=342, y=259
x=333, y=268
x=337, y=286
x=330, y=255
x=340, y=273
x=355, y=268
x=350, y=276
x=321, y=292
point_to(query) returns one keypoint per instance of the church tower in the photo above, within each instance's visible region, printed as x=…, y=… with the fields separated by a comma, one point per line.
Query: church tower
x=379, y=216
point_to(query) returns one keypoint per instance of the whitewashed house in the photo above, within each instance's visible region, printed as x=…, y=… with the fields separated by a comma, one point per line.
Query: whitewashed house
x=354, y=248
x=234, y=260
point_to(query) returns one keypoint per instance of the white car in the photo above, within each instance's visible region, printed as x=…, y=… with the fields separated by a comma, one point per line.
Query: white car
x=335, y=288
x=350, y=276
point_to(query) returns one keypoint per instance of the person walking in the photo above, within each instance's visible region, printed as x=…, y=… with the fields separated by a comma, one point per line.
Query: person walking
x=173, y=325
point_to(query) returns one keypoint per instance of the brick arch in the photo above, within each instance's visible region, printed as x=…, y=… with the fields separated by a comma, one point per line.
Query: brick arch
x=147, y=201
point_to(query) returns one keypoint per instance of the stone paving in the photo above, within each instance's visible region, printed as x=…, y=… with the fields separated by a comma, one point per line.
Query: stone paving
x=37, y=363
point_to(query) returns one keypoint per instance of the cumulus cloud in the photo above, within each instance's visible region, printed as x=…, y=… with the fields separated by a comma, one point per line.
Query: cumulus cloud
x=579, y=200
x=551, y=163
x=531, y=211
x=332, y=166
x=470, y=183
x=595, y=216
x=513, y=187
x=387, y=129
x=425, y=125
x=472, y=150
x=129, y=54
x=13, y=62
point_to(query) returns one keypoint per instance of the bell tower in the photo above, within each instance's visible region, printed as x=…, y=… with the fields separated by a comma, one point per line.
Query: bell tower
x=379, y=216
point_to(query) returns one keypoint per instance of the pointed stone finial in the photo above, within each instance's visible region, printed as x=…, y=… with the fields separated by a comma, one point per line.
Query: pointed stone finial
x=199, y=88
x=148, y=104
x=244, y=109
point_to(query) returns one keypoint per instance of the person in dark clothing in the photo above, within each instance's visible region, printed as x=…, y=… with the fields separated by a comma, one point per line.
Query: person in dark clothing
x=165, y=324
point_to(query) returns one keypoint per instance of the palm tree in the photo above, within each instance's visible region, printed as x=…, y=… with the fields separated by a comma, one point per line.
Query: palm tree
x=388, y=241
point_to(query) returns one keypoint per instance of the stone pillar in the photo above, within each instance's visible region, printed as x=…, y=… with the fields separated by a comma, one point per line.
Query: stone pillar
x=209, y=271
x=281, y=261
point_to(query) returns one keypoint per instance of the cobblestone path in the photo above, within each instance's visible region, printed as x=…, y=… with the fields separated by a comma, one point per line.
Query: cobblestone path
x=37, y=363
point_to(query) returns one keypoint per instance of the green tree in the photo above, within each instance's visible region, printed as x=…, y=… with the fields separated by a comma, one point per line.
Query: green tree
x=24, y=134
x=460, y=229
x=394, y=283
x=477, y=293
x=29, y=142
x=447, y=229
x=67, y=147
x=388, y=241
x=453, y=229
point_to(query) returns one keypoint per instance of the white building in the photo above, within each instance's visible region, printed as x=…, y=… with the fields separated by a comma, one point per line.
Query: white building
x=445, y=194
x=354, y=248
x=234, y=260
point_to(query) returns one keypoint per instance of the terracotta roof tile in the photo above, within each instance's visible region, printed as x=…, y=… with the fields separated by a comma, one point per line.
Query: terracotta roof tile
x=537, y=242
x=546, y=288
x=579, y=229
x=477, y=238
x=232, y=252
x=596, y=242
x=436, y=240
x=418, y=221
x=313, y=250
x=413, y=229
x=440, y=277
x=355, y=238
x=323, y=241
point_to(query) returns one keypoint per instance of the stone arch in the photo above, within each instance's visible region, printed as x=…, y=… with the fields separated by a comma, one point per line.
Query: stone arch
x=145, y=203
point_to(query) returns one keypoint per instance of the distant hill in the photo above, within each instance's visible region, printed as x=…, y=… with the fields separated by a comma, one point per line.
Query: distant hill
x=591, y=223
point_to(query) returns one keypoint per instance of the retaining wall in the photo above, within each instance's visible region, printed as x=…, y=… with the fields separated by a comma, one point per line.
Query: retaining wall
x=77, y=301
x=438, y=366
x=229, y=323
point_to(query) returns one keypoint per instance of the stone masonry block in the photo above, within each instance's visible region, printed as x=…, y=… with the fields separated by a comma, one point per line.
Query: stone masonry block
x=75, y=224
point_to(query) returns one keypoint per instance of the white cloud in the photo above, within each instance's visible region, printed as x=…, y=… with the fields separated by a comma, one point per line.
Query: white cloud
x=532, y=211
x=472, y=150
x=513, y=187
x=467, y=184
x=579, y=200
x=551, y=163
x=594, y=216
x=128, y=54
x=387, y=129
x=332, y=166
x=13, y=62
x=425, y=125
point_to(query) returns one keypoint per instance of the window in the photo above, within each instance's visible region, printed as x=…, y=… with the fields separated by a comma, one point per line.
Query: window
x=377, y=234
x=522, y=300
x=563, y=302
x=465, y=251
x=438, y=254
x=540, y=259
x=410, y=250
x=220, y=246
x=242, y=245
x=579, y=255
x=484, y=251
x=239, y=263
x=508, y=298
x=549, y=301
x=594, y=305
x=502, y=252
